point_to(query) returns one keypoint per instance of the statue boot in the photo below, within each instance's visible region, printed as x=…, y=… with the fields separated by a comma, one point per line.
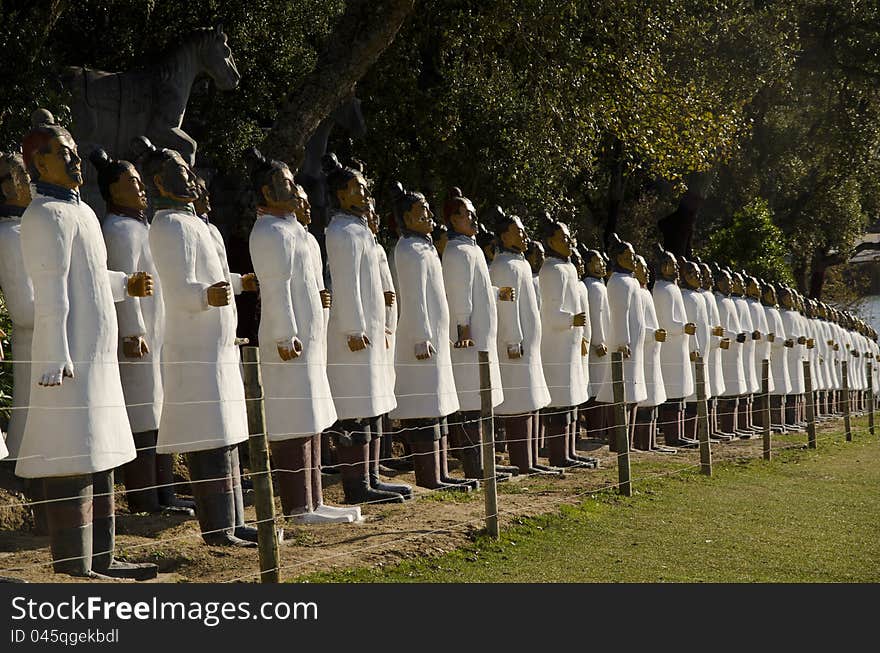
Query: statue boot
x=104, y=535
x=574, y=430
x=168, y=499
x=727, y=417
x=214, y=496
x=445, y=477
x=424, y=440
x=352, y=450
x=469, y=441
x=69, y=517
x=242, y=530
x=375, y=482
x=139, y=475
x=556, y=434
x=318, y=505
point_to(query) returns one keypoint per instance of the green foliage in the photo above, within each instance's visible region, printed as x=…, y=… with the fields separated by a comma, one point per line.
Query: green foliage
x=751, y=242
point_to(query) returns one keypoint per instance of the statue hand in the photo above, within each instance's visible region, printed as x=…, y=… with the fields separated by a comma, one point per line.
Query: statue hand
x=55, y=374
x=836, y=347
x=585, y=347
x=741, y=337
x=140, y=284
x=579, y=320
x=600, y=350
x=424, y=350
x=789, y=342
x=289, y=348
x=660, y=335
x=802, y=340
x=811, y=343
x=756, y=335
x=220, y=294
x=718, y=331
x=326, y=298
x=464, y=337
x=690, y=328
x=771, y=337
x=359, y=342
x=694, y=355
x=135, y=347
x=625, y=350
x=249, y=282
x=514, y=351
x=506, y=294
x=725, y=343
x=389, y=298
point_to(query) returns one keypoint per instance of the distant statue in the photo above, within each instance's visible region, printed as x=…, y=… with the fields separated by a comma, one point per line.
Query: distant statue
x=109, y=109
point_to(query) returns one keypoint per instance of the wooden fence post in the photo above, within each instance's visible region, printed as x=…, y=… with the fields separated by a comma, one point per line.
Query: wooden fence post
x=702, y=417
x=765, y=408
x=487, y=437
x=261, y=475
x=811, y=406
x=870, y=397
x=621, y=425
x=847, y=426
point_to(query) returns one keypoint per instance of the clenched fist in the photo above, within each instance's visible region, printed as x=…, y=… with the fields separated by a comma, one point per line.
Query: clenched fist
x=135, y=347
x=579, y=319
x=327, y=298
x=514, y=351
x=289, y=348
x=220, y=294
x=249, y=282
x=600, y=350
x=506, y=294
x=660, y=335
x=725, y=343
x=718, y=331
x=140, y=284
x=690, y=328
x=424, y=350
x=54, y=375
x=359, y=342
x=464, y=337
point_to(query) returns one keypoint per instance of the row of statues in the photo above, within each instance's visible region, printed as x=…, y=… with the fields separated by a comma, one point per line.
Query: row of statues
x=125, y=349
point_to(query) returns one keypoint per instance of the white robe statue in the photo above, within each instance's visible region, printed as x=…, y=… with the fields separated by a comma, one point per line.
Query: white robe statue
x=424, y=388
x=778, y=356
x=695, y=310
x=794, y=355
x=600, y=327
x=715, y=372
x=627, y=328
x=654, y=385
x=472, y=301
x=731, y=358
x=358, y=379
x=128, y=250
x=391, y=319
x=762, y=346
x=80, y=427
x=561, y=300
x=298, y=399
x=19, y=295
x=519, y=324
x=204, y=393
x=675, y=353
x=753, y=379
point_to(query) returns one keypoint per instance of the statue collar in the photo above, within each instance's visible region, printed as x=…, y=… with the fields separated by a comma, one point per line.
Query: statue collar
x=137, y=214
x=58, y=192
x=339, y=213
x=507, y=250
x=554, y=254
x=10, y=211
x=166, y=203
x=455, y=235
x=406, y=233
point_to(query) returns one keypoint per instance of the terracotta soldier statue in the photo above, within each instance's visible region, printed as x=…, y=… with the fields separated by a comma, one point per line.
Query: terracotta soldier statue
x=718, y=342
x=18, y=292
x=745, y=427
x=356, y=346
x=535, y=255
x=792, y=327
x=778, y=358
x=77, y=429
x=141, y=332
x=474, y=324
x=580, y=411
x=425, y=385
x=298, y=402
x=519, y=345
x=695, y=309
x=731, y=358
x=675, y=362
x=645, y=432
x=762, y=346
x=597, y=416
x=627, y=330
x=487, y=243
x=204, y=413
x=564, y=341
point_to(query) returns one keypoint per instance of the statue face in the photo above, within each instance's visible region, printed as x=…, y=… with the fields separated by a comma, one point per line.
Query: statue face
x=641, y=271
x=303, y=210
x=419, y=218
x=355, y=197
x=464, y=220
x=692, y=276
x=596, y=267
x=560, y=242
x=737, y=285
x=769, y=296
x=706, y=276
x=626, y=258
x=723, y=282
x=514, y=237
x=178, y=182
x=202, y=204
x=16, y=187
x=536, y=258
x=753, y=290
x=280, y=196
x=129, y=191
x=61, y=165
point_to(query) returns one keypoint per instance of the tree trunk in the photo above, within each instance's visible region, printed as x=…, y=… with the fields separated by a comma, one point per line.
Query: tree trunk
x=677, y=228
x=819, y=264
x=362, y=33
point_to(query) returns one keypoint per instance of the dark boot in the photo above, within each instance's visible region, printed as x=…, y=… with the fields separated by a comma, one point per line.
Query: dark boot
x=242, y=530
x=445, y=477
x=104, y=535
x=211, y=480
x=471, y=451
x=424, y=441
x=727, y=417
x=140, y=473
x=321, y=512
x=352, y=450
x=70, y=524
x=291, y=462
x=556, y=434
x=375, y=482
x=36, y=492
x=642, y=431
x=574, y=430
x=168, y=499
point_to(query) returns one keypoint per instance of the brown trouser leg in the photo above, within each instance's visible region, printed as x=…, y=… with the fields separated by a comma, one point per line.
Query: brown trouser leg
x=69, y=514
x=292, y=462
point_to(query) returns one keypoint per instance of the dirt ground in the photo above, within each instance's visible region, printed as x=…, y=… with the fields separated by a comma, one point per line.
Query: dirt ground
x=429, y=525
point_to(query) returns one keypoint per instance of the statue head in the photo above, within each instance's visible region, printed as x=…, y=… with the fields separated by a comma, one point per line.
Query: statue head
x=459, y=213
x=641, y=271
x=595, y=264
x=50, y=153
x=487, y=243
x=622, y=255
x=753, y=287
x=119, y=182
x=215, y=57
x=411, y=210
x=347, y=188
x=723, y=282
x=273, y=185
x=665, y=264
x=737, y=289
x=15, y=184
x=535, y=255
x=769, y=296
x=165, y=172
x=440, y=236
x=690, y=275
x=706, y=276
x=555, y=235
x=509, y=230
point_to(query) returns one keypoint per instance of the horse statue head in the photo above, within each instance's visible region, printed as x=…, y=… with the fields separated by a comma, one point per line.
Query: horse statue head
x=215, y=59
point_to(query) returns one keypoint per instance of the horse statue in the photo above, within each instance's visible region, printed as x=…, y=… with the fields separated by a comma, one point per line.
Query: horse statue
x=109, y=109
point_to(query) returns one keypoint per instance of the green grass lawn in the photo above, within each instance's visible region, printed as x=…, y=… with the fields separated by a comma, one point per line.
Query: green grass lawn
x=807, y=516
